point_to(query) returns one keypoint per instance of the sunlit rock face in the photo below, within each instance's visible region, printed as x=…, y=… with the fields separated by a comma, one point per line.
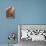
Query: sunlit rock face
x=10, y=12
